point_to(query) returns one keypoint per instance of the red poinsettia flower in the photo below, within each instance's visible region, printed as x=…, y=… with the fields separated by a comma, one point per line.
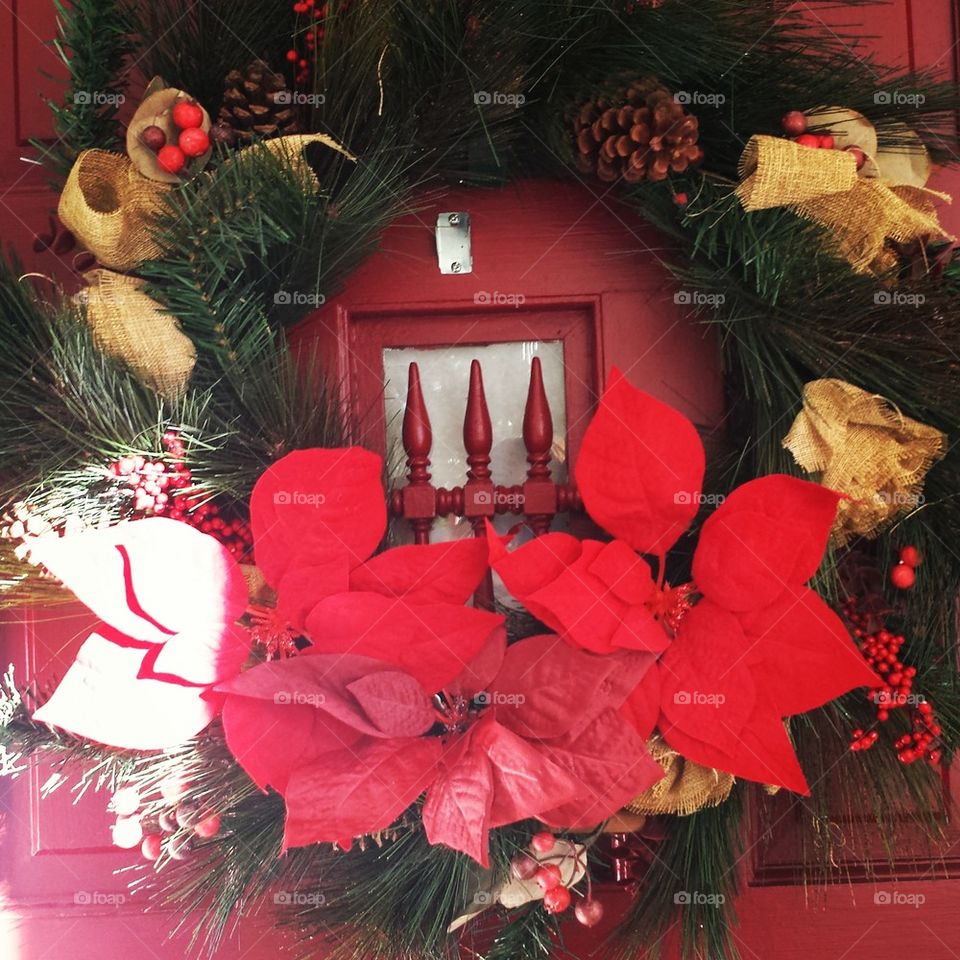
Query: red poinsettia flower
x=742, y=646
x=168, y=597
x=352, y=741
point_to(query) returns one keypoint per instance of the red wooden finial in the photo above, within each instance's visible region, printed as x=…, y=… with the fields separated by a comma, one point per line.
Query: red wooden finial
x=417, y=434
x=419, y=496
x=537, y=425
x=477, y=429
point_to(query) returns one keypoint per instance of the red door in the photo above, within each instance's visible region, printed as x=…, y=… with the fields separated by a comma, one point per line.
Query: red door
x=558, y=271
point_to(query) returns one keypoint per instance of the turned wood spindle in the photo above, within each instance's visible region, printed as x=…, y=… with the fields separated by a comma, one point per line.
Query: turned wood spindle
x=540, y=493
x=419, y=498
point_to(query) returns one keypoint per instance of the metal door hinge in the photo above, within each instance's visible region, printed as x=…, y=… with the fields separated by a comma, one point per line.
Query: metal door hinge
x=453, y=242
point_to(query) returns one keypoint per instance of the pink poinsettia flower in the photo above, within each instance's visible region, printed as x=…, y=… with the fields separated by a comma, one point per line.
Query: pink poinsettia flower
x=744, y=645
x=168, y=598
x=352, y=742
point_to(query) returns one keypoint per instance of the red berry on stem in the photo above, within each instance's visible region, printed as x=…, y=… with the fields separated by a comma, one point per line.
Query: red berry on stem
x=808, y=140
x=794, y=123
x=827, y=142
x=171, y=158
x=589, y=912
x=911, y=556
x=208, y=827
x=680, y=199
x=194, y=142
x=126, y=801
x=153, y=137
x=556, y=900
x=150, y=848
x=127, y=832
x=524, y=867
x=543, y=842
x=187, y=114
x=858, y=155
x=902, y=576
x=548, y=876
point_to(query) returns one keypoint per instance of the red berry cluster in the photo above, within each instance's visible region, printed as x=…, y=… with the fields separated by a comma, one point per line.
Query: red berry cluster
x=177, y=826
x=312, y=34
x=542, y=864
x=881, y=649
x=192, y=142
x=903, y=575
x=161, y=488
x=794, y=125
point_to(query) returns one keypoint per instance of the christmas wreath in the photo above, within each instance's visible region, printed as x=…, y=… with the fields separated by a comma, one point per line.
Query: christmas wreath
x=277, y=701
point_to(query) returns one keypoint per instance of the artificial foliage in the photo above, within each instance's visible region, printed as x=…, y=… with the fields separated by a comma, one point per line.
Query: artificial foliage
x=412, y=97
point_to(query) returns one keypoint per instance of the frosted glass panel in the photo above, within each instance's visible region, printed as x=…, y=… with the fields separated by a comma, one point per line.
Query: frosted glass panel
x=445, y=379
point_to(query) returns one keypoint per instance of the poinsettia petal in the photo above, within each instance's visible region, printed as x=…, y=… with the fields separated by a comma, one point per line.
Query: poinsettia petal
x=640, y=468
x=149, y=579
x=314, y=503
x=769, y=534
x=447, y=572
x=362, y=790
x=103, y=698
x=546, y=688
x=301, y=588
x=433, y=642
x=456, y=812
x=611, y=763
x=525, y=780
x=478, y=675
x=394, y=702
x=763, y=752
x=272, y=739
x=642, y=706
x=802, y=654
x=203, y=656
x=556, y=578
x=706, y=688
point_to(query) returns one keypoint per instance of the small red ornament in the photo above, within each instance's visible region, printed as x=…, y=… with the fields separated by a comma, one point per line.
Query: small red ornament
x=827, y=142
x=150, y=848
x=153, y=137
x=902, y=576
x=187, y=114
x=543, y=842
x=556, y=900
x=208, y=827
x=171, y=158
x=794, y=123
x=911, y=556
x=194, y=142
x=680, y=199
x=858, y=155
x=589, y=912
x=548, y=876
x=808, y=140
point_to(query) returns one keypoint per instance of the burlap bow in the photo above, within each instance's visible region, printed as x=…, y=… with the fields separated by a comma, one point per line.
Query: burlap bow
x=864, y=215
x=865, y=448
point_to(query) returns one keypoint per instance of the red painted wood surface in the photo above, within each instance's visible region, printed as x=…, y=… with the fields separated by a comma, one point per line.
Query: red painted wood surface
x=591, y=278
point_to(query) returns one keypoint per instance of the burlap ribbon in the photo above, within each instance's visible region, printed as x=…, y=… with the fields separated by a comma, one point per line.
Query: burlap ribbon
x=108, y=205
x=685, y=788
x=863, y=215
x=865, y=448
x=131, y=326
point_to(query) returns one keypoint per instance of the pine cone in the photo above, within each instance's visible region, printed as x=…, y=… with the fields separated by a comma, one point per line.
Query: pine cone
x=256, y=104
x=641, y=131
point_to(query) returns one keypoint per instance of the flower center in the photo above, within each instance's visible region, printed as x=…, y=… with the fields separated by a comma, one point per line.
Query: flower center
x=455, y=712
x=671, y=604
x=272, y=633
